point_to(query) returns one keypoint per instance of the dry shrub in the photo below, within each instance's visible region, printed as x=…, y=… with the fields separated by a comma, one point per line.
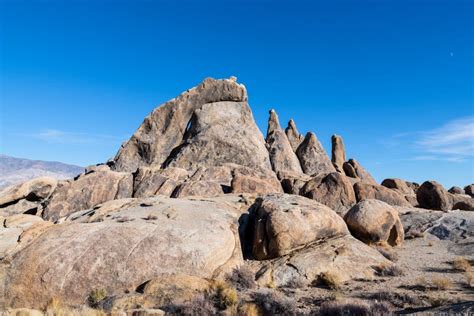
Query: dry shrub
x=331, y=279
x=469, y=278
x=461, y=264
x=242, y=278
x=95, y=297
x=441, y=283
x=56, y=308
x=249, y=309
x=275, y=303
x=438, y=300
x=388, y=270
x=201, y=304
x=336, y=308
x=227, y=296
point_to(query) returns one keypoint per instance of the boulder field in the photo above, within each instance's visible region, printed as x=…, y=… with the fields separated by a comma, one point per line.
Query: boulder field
x=197, y=195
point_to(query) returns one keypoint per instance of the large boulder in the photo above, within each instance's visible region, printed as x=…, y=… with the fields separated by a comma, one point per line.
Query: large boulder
x=294, y=137
x=456, y=190
x=164, y=129
x=313, y=159
x=293, y=182
x=87, y=191
x=398, y=185
x=198, y=188
x=150, y=181
x=341, y=258
x=282, y=156
x=283, y=223
x=469, y=190
x=137, y=241
x=462, y=202
x=333, y=190
x=338, y=153
x=432, y=195
x=353, y=169
x=365, y=191
x=374, y=221
x=220, y=133
x=34, y=190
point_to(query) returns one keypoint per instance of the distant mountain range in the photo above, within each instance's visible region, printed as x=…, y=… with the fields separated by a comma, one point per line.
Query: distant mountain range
x=15, y=170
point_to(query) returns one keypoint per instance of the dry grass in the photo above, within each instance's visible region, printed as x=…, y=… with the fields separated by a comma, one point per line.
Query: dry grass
x=331, y=279
x=56, y=308
x=275, y=303
x=354, y=307
x=96, y=296
x=249, y=309
x=227, y=295
x=461, y=264
x=469, y=278
x=441, y=283
x=388, y=270
x=242, y=278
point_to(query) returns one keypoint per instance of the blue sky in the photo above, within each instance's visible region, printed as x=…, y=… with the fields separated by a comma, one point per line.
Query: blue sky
x=394, y=78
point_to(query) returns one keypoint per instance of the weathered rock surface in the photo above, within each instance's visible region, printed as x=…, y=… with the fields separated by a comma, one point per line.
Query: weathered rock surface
x=293, y=182
x=220, y=133
x=455, y=226
x=140, y=241
x=313, y=159
x=353, y=169
x=398, y=185
x=417, y=221
x=34, y=190
x=374, y=221
x=456, y=190
x=282, y=156
x=462, y=202
x=345, y=257
x=282, y=223
x=294, y=137
x=333, y=190
x=198, y=188
x=338, y=153
x=164, y=129
x=432, y=195
x=150, y=181
x=365, y=191
x=87, y=191
x=20, y=207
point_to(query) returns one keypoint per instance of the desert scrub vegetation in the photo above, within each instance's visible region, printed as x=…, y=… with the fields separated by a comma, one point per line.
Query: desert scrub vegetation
x=56, y=308
x=275, y=303
x=461, y=264
x=441, y=283
x=96, y=296
x=331, y=279
x=388, y=270
x=354, y=307
x=242, y=278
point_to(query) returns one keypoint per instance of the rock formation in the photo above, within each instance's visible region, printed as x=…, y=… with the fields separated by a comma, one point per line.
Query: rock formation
x=354, y=170
x=282, y=156
x=338, y=153
x=313, y=159
x=432, y=195
x=294, y=137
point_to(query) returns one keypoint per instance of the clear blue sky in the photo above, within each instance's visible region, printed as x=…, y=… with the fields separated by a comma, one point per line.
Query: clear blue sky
x=394, y=78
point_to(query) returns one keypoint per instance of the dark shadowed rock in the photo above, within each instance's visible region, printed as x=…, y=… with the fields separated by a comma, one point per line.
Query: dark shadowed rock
x=294, y=137
x=285, y=222
x=374, y=221
x=469, y=190
x=293, y=182
x=462, y=202
x=33, y=190
x=432, y=195
x=87, y=191
x=338, y=153
x=333, y=190
x=165, y=128
x=313, y=159
x=366, y=191
x=413, y=185
x=353, y=169
x=398, y=185
x=456, y=190
x=282, y=156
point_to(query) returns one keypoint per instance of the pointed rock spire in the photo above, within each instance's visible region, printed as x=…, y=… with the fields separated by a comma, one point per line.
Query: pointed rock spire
x=294, y=137
x=338, y=153
x=282, y=156
x=313, y=159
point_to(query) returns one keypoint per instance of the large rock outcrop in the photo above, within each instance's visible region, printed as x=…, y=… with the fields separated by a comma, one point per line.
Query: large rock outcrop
x=282, y=156
x=283, y=223
x=333, y=190
x=338, y=152
x=121, y=246
x=353, y=169
x=87, y=191
x=365, y=191
x=374, y=221
x=313, y=159
x=293, y=135
x=164, y=129
x=432, y=195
